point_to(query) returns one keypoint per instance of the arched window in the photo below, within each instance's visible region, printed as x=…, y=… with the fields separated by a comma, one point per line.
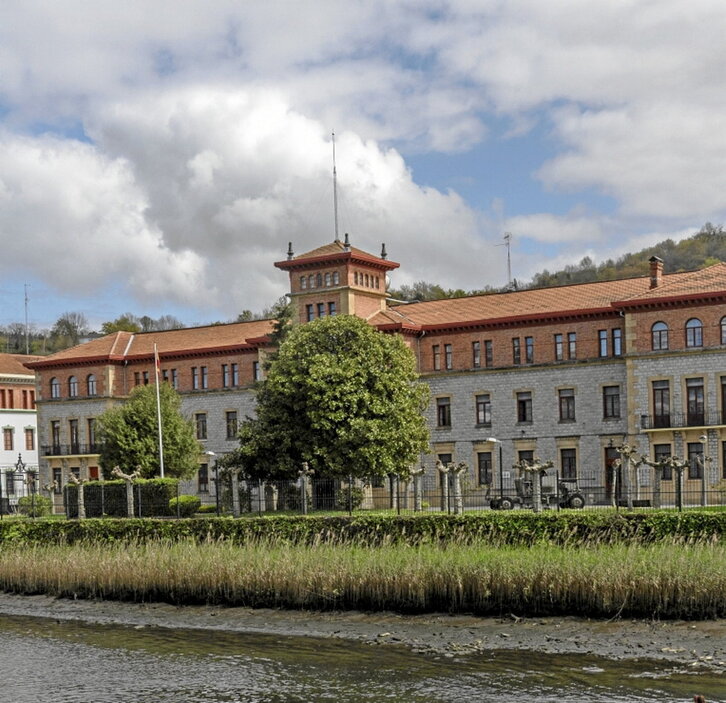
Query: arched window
x=723, y=330
x=311, y=281
x=659, y=333
x=54, y=388
x=366, y=281
x=72, y=387
x=303, y=282
x=694, y=333
x=336, y=278
x=319, y=280
x=328, y=280
x=91, y=384
x=378, y=282
x=355, y=277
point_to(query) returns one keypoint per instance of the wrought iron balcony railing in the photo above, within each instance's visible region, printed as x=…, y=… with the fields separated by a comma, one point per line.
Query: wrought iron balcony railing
x=708, y=418
x=70, y=449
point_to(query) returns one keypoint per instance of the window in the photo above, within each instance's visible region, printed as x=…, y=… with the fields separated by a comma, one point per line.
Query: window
x=355, y=277
x=303, y=282
x=225, y=375
x=694, y=333
x=91, y=384
x=443, y=412
x=8, y=443
x=526, y=455
x=321, y=309
x=10, y=482
x=448, y=356
x=723, y=330
x=367, y=282
x=203, y=479
x=695, y=404
x=309, y=313
x=475, y=355
x=602, y=339
x=92, y=435
x=73, y=433
x=165, y=375
x=488, y=352
x=529, y=350
x=436, y=351
x=195, y=378
x=235, y=374
x=516, y=351
x=205, y=377
x=328, y=280
x=319, y=280
x=72, y=387
x=57, y=481
x=137, y=378
x=695, y=460
x=661, y=452
x=483, y=409
x=54, y=388
x=332, y=310
x=567, y=405
x=661, y=404
x=336, y=278
x=611, y=401
x=174, y=379
x=200, y=420
x=29, y=439
x=256, y=371
x=311, y=281
x=55, y=435
x=559, y=347
x=568, y=463
x=524, y=407
x=572, y=345
x=617, y=336
x=146, y=378
x=231, y=417
x=659, y=336
x=484, y=464
x=723, y=460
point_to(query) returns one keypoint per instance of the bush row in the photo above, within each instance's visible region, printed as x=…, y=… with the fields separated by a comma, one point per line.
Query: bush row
x=497, y=528
x=108, y=498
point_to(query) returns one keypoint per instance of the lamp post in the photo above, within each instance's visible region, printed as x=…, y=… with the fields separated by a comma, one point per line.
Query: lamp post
x=501, y=465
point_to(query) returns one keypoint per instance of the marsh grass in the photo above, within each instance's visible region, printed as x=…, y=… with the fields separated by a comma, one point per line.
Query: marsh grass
x=660, y=580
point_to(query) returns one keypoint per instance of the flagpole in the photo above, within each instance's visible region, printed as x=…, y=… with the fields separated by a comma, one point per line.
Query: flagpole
x=158, y=412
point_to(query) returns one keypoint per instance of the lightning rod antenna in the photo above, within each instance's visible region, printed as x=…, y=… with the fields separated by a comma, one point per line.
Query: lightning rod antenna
x=335, y=192
x=508, y=244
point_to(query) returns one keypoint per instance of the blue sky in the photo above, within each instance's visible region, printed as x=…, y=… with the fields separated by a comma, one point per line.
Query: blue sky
x=157, y=157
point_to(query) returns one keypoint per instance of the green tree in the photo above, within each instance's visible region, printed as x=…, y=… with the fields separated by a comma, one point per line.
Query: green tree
x=341, y=396
x=127, y=322
x=130, y=440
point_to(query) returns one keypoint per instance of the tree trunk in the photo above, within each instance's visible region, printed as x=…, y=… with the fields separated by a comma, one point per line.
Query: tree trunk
x=536, y=490
x=235, y=494
x=456, y=489
x=81, y=503
x=417, y=492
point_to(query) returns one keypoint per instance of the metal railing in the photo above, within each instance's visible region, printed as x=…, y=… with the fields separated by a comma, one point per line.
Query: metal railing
x=708, y=418
x=74, y=448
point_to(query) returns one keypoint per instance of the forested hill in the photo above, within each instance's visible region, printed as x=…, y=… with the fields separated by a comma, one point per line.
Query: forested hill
x=702, y=249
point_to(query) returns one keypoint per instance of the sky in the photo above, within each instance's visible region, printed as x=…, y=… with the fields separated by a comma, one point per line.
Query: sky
x=157, y=157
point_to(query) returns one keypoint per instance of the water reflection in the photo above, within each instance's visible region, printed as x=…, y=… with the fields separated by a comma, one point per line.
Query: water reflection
x=69, y=662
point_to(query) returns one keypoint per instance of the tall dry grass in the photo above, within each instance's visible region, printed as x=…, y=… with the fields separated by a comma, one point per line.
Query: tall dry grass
x=662, y=580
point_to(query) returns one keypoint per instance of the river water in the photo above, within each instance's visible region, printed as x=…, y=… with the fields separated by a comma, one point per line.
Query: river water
x=46, y=661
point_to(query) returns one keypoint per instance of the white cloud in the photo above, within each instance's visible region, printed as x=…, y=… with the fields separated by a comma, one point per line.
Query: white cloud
x=553, y=229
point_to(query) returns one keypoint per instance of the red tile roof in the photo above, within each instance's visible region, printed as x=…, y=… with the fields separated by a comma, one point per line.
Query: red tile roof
x=14, y=364
x=126, y=345
x=334, y=251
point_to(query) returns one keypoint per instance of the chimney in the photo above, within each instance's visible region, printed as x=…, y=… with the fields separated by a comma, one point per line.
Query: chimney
x=656, y=271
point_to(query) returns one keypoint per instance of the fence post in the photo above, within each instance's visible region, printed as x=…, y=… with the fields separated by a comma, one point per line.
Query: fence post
x=178, y=511
x=350, y=495
x=216, y=487
x=103, y=498
x=259, y=496
x=138, y=500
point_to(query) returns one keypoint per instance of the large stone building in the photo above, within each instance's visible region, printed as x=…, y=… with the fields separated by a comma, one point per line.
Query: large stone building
x=565, y=373
x=19, y=450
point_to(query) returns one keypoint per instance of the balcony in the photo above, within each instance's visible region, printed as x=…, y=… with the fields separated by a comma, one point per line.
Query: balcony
x=69, y=449
x=710, y=418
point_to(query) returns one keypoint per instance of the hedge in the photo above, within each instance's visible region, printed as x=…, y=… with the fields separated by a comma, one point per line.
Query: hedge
x=497, y=528
x=108, y=498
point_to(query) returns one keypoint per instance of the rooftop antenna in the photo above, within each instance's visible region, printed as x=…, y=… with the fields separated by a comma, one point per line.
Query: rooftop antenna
x=335, y=191
x=508, y=243
x=27, y=334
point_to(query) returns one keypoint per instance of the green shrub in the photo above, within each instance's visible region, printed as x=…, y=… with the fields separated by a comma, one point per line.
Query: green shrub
x=349, y=498
x=207, y=509
x=35, y=506
x=108, y=498
x=184, y=506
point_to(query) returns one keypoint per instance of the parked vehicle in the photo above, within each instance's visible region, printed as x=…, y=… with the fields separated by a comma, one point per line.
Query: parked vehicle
x=568, y=495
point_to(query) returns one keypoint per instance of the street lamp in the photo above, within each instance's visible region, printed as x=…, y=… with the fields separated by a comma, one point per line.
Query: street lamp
x=501, y=467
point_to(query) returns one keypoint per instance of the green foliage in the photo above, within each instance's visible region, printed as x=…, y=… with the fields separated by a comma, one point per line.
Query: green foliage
x=124, y=323
x=184, y=506
x=35, y=506
x=207, y=509
x=129, y=435
x=349, y=498
x=108, y=498
x=342, y=397
x=516, y=529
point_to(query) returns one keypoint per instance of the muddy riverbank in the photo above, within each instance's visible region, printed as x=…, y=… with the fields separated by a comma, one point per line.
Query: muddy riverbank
x=701, y=645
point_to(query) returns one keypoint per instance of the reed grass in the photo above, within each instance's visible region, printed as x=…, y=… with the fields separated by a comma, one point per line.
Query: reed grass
x=660, y=580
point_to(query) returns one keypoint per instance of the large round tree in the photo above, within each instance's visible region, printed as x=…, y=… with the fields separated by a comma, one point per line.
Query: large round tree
x=129, y=435
x=341, y=396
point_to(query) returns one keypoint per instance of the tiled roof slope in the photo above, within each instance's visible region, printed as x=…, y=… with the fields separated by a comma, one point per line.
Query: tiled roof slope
x=14, y=364
x=691, y=284
x=336, y=247
x=121, y=345
x=536, y=303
